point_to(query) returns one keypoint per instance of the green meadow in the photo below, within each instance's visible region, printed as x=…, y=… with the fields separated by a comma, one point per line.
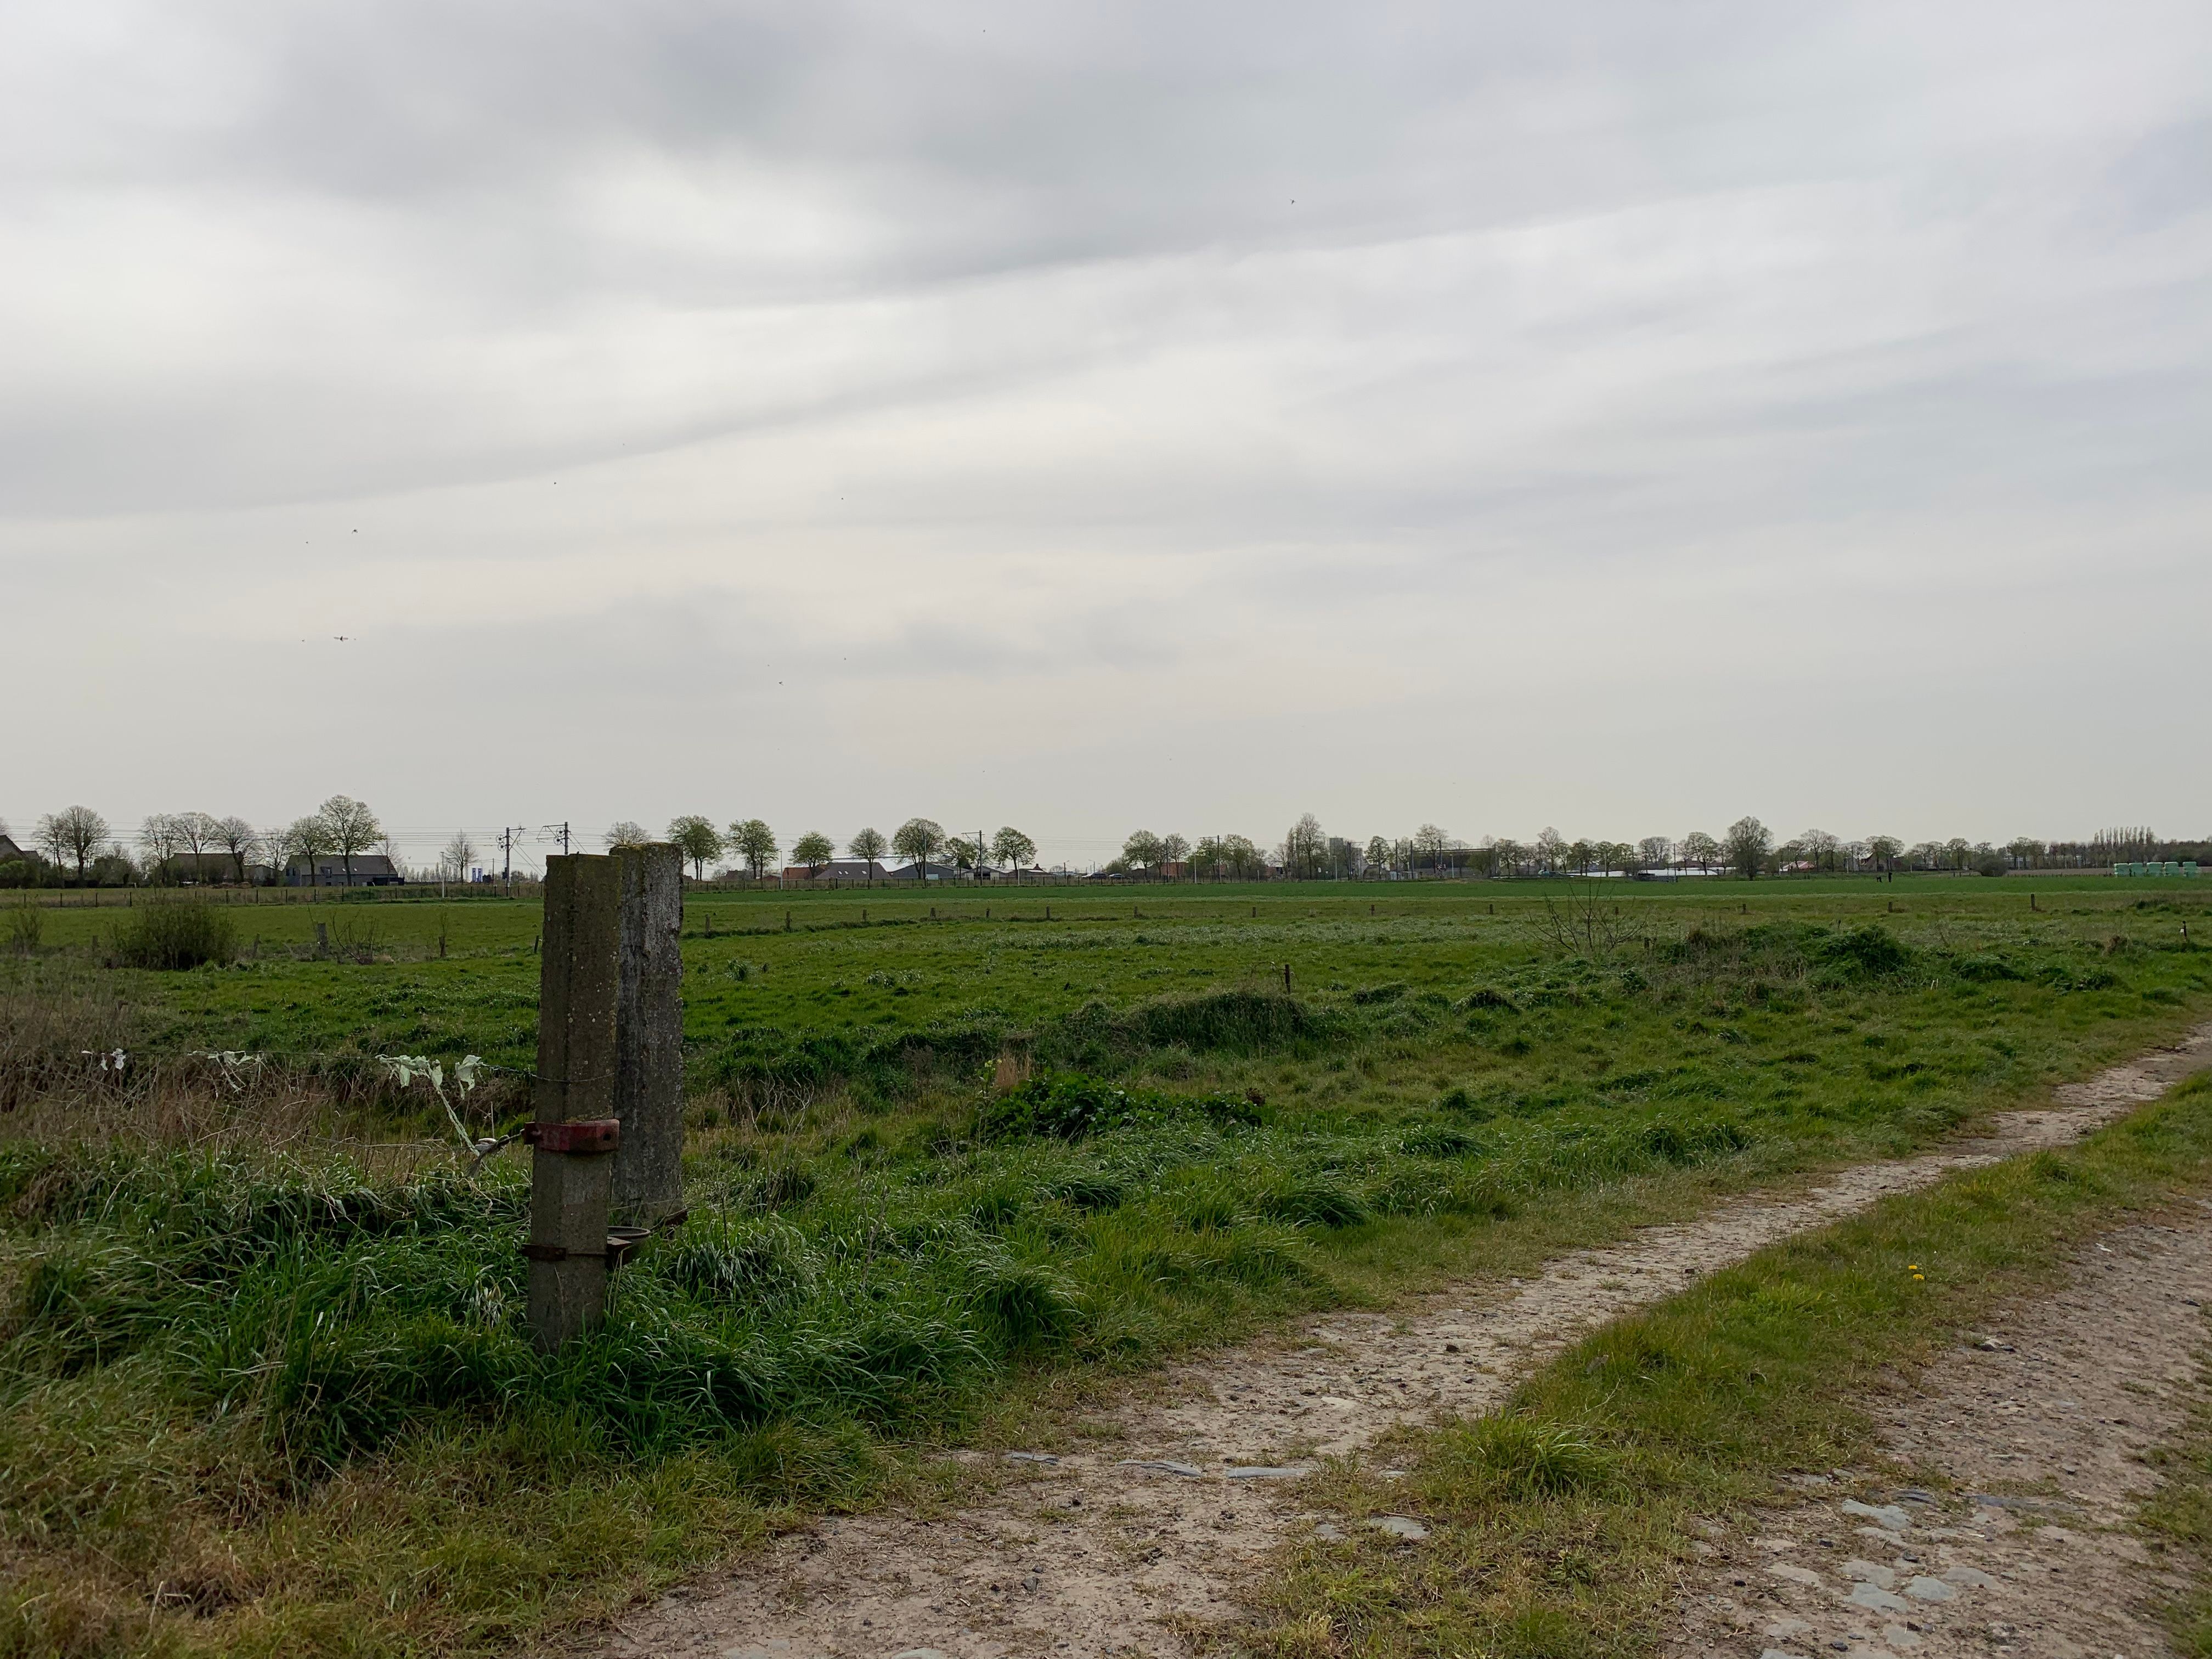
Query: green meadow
x=952, y=1163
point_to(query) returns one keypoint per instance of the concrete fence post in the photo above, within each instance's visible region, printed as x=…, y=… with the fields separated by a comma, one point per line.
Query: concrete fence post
x=574, y=1136
x=648, y=1099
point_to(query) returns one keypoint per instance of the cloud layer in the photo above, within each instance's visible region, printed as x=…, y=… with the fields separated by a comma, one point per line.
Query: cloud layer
x=1088, y=416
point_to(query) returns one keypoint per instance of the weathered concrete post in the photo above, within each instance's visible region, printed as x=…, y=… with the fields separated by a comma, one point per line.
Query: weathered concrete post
x=648, y=1099
x=575, y=1135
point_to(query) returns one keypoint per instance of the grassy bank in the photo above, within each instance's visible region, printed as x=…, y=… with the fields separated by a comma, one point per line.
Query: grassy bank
x=1556, y=1526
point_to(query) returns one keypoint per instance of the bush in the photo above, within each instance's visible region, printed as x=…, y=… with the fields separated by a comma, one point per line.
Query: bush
x=26, y=926
x=174, y=934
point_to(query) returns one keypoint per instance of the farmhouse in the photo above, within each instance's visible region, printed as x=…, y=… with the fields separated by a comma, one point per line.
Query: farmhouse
x=835, y=869
x=8, y=850
x=329, y=870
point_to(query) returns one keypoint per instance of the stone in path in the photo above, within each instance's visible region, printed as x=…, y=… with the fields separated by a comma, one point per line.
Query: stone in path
x=1114, y=1553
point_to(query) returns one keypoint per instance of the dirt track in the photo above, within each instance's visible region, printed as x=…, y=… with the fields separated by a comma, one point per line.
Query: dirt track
x=2060, y=1402
x=1114, y=1553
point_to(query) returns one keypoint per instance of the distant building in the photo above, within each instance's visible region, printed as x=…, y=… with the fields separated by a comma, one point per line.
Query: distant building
x=199, y=869
x=329, y=870
x=837, y=870
x=9, y=851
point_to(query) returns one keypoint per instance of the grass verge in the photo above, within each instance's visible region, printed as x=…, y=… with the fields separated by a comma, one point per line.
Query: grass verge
x=1559, y=1526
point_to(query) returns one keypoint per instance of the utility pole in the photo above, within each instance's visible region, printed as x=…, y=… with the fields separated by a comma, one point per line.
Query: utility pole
x=506, y=835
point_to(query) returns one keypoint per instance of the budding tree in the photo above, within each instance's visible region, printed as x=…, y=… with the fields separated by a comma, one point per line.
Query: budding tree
x=697, y=840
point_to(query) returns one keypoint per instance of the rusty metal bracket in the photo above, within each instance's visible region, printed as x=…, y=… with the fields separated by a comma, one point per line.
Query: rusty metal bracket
x=597, y=1134
x=620, y=1241
x=558, y=1253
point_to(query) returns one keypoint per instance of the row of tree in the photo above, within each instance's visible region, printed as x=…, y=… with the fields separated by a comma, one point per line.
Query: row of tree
x=200, y=847
x=79, y=844
x=921, y=841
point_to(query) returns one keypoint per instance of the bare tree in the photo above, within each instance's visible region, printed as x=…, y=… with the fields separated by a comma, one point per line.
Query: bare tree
x=1304, y=847
x=1551, y=850
x=235, y=837
x=1748, y=844
x=1820, y=848
x=1429, y=842
x=306, y=839
x=625, y=832
x=1700, y=850
x=1655, y=852
x=353, y=829
x=160, y=837
x=460, y=853
x=2025, y=850
x=698, y=839
x=918, y=840
x=1507, y=856
x=193, y=836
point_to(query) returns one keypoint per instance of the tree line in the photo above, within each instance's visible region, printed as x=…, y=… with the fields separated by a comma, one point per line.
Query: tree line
x=79, y=846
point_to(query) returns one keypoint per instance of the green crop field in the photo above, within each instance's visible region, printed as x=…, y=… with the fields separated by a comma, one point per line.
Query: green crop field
x=950, y=1160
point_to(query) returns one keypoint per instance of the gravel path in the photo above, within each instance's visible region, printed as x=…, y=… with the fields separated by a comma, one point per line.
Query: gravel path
x=2061, y=1402
x=1116, y=1552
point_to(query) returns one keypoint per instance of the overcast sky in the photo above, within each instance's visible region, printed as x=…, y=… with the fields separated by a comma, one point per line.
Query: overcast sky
x=1617, y=416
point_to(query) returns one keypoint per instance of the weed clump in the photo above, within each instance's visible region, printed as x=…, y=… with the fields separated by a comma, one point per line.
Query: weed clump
x=1518, y=1457
x=174, y=934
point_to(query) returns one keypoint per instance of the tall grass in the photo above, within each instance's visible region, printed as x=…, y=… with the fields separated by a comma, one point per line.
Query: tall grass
x=172, y=934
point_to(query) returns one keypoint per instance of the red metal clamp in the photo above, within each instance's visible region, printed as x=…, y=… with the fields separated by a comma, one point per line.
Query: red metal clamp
x=597, y=1134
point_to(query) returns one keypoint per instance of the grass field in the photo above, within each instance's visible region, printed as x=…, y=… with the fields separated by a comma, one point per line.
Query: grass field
x=261, y=1392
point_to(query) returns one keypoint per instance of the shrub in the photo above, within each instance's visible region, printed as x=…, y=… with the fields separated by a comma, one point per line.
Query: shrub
x=174, y=934
x=26, y=927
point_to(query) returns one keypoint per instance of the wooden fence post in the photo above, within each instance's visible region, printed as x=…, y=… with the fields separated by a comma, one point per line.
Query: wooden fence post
x=648, y=1100
x=571, y=1172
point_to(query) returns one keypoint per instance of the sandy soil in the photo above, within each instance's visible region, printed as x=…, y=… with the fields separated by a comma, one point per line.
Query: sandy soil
x=2061, y=1402
x=1115, y=1553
